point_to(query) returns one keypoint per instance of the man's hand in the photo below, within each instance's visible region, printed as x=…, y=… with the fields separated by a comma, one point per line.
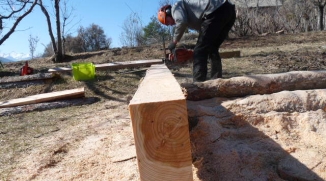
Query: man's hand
x=172, y=46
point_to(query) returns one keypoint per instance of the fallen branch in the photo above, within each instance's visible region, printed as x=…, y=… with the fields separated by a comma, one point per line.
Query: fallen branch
x=127, y=159
x=255, y=84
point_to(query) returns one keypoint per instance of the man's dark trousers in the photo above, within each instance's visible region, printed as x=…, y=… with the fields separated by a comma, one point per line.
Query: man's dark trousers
x=214, y=30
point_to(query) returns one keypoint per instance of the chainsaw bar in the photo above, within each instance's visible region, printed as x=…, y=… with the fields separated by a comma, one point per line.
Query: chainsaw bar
x=179, y=57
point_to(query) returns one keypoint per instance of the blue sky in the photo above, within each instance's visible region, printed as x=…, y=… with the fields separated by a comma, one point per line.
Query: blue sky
x=108, y=14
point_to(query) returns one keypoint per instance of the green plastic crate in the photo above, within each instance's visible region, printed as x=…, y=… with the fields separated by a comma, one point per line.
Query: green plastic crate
x=83, y=71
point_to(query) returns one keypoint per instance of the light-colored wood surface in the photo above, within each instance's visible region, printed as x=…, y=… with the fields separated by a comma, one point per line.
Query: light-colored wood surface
x=67, y=94
x=230, y=54
x=115, y=65
x=159, y=117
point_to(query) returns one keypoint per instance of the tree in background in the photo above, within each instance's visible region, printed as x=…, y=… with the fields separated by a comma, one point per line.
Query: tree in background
x=74, y=44
x=57, y=43
x=67, y=20
x=154, y=31
x=32, y=44
x=16, y=10
x=289, y=16
x=48, y=50
x=59, y=54
x=321, y=6
x=88, y=39
x=48, y=19
x=93, y=38
x=132, y=34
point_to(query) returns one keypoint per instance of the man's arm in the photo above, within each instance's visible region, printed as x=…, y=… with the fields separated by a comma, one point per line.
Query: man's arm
x=179, y=15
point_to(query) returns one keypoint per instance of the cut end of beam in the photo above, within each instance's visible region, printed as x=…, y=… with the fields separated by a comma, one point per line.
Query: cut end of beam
x=158, y=85
x=159, y=117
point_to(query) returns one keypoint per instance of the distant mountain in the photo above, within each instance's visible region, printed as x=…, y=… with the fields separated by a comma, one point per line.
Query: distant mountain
x=13, y=56
x=5, y=60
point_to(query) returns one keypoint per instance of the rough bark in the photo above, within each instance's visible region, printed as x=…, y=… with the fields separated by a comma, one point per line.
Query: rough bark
x=45, y=12
x=256, y=84
x=57, y=14
x=40, y=76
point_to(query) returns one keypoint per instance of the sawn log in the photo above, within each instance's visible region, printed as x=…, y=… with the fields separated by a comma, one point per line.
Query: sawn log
x=255, y=84
x=46, y=97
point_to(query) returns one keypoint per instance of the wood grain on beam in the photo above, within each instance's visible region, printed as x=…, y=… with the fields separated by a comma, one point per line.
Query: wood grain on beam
x=159, y=117
x=115, y=65
x=52, y=96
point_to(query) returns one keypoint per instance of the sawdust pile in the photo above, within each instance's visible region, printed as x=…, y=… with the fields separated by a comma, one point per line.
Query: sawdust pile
x=279, y=136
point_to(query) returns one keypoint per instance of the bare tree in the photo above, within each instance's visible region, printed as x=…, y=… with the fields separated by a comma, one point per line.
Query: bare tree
x=48, y=19
x=290, y=16
x=56, y=43
x=48, y=50
x=108, y=43
x=321, y=6
x=74, y=44
x=32, y=44
x=88, y=39
x=16, y=10
x=93, y=38
x=59, y=53
x=67, y=19
x=297, y=16
x=241, y=26
x=132, y=31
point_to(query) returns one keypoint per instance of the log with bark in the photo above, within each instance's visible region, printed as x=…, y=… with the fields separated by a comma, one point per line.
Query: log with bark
x=255, y=84
x=26, y=81
x=33, y=77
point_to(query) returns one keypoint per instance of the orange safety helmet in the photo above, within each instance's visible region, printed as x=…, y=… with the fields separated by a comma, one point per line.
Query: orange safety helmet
x=163, y=12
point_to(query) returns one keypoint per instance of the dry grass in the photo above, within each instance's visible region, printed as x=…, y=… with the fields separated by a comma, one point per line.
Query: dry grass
x=60, y=131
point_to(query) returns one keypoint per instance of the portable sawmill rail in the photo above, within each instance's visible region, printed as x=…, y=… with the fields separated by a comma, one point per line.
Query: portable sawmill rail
x=114, y=66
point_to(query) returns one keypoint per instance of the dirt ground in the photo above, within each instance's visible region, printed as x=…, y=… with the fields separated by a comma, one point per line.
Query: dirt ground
x=232, y=139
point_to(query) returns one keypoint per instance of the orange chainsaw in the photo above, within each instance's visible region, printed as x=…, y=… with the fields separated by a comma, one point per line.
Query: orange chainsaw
x=178, y=56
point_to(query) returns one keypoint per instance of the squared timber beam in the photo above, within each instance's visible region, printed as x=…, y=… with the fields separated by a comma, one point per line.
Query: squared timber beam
x=230, y=54
x=159, y=117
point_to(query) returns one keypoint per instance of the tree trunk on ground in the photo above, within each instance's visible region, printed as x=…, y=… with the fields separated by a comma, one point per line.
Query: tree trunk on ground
x=255, y=84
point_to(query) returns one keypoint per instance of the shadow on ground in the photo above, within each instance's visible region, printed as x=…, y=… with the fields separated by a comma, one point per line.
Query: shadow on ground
x=226, y=147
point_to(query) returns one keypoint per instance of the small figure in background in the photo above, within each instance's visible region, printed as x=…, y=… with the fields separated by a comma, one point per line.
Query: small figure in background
x=26, y=70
